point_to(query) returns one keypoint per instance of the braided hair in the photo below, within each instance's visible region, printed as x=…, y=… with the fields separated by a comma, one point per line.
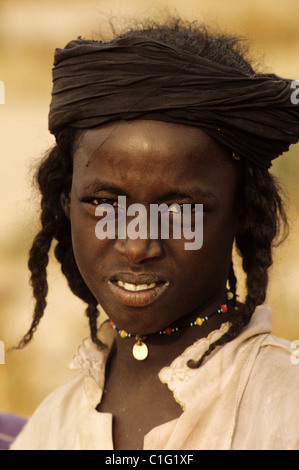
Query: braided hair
x=262, y=201
x=54, y=179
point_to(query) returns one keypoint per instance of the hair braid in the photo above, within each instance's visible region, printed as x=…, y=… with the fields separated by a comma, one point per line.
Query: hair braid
x=38, y=261
x=232, y=280
x=54, y=178
x=265, y=212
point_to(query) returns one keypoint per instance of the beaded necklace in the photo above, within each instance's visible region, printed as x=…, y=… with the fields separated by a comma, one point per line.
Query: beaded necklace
x=140, y=349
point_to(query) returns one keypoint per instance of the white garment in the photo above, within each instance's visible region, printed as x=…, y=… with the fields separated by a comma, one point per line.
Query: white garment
x=244, y=396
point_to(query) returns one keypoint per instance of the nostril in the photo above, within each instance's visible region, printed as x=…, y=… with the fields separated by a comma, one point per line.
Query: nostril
x=138, y=250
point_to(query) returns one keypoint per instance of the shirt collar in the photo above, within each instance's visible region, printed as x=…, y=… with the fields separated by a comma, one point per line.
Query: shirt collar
x=183, y=381
x=91, y=360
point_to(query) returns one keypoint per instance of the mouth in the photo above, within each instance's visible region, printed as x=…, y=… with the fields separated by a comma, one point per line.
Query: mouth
x=136, y=287
x=137, y=291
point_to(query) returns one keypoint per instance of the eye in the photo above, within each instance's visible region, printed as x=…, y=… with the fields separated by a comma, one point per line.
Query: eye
x=98, y=206
x=175, y=209
x=100, y=201
x=179, y=208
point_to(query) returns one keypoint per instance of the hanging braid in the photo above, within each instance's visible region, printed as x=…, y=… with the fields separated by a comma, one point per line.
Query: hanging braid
x=263, y=203
x=53, y=179
x=266, y=220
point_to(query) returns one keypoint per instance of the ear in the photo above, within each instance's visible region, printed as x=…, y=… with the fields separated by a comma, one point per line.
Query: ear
x=66, y=204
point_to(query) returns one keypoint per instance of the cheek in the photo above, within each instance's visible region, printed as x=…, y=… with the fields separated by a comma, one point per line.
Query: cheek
x=207, y=267
x=85, y=243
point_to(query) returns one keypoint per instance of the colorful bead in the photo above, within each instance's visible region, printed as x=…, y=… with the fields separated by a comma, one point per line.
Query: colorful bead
x=168, y=331
x=112, y=325
x=223, y=308
x=123, y=333
x=199, y=321
x=230, y=295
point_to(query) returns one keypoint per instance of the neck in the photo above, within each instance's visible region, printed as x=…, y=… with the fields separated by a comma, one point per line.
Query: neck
x=164, y=348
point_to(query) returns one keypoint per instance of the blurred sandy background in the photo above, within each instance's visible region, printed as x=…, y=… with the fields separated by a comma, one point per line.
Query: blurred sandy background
x=29, y=32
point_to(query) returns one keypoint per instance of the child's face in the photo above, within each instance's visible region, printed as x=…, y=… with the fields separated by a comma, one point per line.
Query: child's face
x=153, y=162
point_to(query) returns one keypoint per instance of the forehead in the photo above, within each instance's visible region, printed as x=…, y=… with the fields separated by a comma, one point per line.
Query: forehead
x=148, y=135
x=150, y=150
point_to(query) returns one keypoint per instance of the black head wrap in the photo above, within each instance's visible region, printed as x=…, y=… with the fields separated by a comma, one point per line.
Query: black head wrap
x=96, y=83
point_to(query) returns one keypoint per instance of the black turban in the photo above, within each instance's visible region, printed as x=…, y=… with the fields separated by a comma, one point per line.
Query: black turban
x=96, y=83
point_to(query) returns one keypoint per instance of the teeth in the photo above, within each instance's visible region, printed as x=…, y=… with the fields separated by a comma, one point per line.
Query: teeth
x=135, y=287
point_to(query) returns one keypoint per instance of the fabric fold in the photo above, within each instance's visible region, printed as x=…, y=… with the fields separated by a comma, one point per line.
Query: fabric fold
x=96, y=83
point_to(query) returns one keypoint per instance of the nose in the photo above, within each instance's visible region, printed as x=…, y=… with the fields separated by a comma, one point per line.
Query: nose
x=138, y=250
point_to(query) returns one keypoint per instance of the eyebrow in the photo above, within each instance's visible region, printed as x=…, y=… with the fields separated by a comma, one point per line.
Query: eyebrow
x=99, y=186
x=193, y=192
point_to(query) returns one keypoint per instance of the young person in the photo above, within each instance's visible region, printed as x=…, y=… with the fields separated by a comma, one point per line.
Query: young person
x=168, y=115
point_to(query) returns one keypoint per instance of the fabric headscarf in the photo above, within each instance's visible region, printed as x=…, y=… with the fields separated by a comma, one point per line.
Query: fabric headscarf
x=95, y=83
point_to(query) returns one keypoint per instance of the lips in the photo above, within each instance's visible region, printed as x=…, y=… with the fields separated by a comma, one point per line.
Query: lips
x=137, y=291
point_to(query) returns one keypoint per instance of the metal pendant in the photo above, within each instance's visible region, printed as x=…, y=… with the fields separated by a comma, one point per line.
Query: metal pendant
x=140, y=350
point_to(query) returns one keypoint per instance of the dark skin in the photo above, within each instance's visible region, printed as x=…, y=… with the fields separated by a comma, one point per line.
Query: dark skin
x=152, y=162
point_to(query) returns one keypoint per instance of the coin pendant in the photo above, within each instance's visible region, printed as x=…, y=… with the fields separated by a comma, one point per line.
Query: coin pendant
x=140, y=351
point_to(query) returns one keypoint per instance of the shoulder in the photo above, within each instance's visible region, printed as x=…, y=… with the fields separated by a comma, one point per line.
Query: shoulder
x=57, y=422
x=278, y=358
x=44, y=429
x=269, y=409
x=276, y=375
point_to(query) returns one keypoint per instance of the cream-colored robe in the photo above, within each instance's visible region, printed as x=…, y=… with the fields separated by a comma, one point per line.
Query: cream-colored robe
x=244, y=396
